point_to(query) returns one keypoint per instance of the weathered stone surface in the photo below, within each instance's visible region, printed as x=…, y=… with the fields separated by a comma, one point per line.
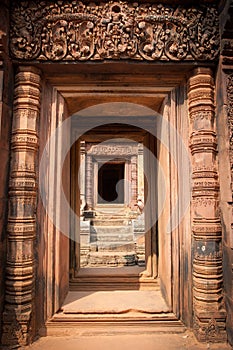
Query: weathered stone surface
x=18, y=316
x=66, y=31
x=76, y=31
x=209, y=308
x=6, y=92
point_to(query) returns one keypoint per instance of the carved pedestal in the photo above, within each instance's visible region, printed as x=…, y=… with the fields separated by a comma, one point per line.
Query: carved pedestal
x=209, y=311
x=19, y=315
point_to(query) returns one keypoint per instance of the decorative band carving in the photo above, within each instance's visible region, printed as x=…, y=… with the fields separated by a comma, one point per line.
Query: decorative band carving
x=230, y=120
x=21, y=228
x=80, y=31
x=209, y=308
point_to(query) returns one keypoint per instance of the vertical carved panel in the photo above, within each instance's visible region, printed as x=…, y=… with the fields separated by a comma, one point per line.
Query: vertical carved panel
x=20, y=269
x=134, y=182
x=82, y=172
x=230, y=120
x=209, y=311
x=89, y=182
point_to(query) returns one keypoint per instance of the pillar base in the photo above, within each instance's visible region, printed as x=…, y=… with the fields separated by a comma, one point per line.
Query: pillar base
x=210, y=329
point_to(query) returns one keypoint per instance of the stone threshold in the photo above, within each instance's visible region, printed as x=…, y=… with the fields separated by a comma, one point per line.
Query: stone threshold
x=111, y=278
x=132, y=323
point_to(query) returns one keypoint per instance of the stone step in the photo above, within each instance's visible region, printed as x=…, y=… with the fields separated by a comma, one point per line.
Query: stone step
x=110, y=229
x=114, y=238
x=101, y=258
x=113, y=278
x=112, y=222
x=117, y=247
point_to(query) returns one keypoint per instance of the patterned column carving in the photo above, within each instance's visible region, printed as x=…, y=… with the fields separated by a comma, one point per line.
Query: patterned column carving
x=89, y=182
x=209, y=311
x=82, y=174
x=18, y=317
x=134, y=182
x=230, y=121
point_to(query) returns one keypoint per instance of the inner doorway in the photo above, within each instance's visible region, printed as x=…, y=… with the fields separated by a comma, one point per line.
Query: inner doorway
x=110, y=186
x=112, y=220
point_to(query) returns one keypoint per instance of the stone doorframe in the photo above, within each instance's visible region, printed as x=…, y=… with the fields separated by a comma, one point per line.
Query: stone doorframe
x=94, y=154
x=209, y=312
x=98, y=154
x=84, y=43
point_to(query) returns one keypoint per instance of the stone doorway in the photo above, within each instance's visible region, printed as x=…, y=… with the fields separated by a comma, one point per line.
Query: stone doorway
x=62, y=64
x=109, y=175
x=117, y=257
x=163, y=253
x=112, y=219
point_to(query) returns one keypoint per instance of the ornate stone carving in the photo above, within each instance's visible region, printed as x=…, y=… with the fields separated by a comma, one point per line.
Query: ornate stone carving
x=21, y=229
x=89, y=183
x=209, y=311
x=230, y=120
x=113, y=150
x=79, y=31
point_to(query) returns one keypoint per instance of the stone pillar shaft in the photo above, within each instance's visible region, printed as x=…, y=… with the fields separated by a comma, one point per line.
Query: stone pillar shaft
x=18, y=317
x=89, y=182
x=209, y=312
x=82, y=174
x=134, y=182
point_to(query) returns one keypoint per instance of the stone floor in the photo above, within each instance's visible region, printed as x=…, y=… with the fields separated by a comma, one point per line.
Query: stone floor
x=114, y=302
x=184, y=341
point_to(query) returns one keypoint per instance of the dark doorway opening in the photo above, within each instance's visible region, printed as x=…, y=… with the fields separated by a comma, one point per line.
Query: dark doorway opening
x=110, y=186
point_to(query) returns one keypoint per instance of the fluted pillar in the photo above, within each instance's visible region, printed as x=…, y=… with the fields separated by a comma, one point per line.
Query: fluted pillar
x=209, y=311
x=19, y=316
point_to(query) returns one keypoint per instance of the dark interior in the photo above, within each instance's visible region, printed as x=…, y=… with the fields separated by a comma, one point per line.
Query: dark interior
x=109, y=175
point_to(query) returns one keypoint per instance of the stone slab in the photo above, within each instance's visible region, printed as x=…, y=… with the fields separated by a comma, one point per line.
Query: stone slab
x=114, y=302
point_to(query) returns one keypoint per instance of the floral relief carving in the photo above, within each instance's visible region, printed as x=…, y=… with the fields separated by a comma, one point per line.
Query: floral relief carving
x=78, y=31
x=230, y=116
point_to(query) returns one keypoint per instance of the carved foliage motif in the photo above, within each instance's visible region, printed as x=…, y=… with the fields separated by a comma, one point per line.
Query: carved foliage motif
x=230, y=117
x=64, y=30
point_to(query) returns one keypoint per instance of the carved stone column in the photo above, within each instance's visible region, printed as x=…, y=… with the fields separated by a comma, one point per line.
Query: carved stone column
x=209, y=311
x=140, y=183
x=89, y=182
x=134, y=182
x=18, y=317
x=82, y=174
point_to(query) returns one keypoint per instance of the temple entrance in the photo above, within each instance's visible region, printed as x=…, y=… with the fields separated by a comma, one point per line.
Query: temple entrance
x=121, y=243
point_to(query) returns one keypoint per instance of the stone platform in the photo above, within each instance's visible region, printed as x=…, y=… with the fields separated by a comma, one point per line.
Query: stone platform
x=114, y=302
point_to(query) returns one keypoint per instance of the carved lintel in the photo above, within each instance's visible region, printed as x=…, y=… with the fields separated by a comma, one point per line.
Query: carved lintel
x=81, y=31
x=113, y=150
x=21, y=228
x=209, y=310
